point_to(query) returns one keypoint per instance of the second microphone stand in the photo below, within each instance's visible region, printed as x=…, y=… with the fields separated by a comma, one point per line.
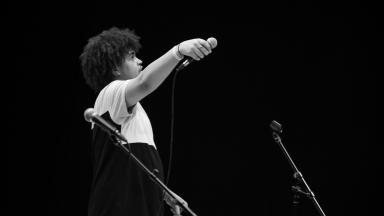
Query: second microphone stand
x=297, y=191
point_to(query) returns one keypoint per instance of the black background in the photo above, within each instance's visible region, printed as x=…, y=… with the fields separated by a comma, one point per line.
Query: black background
x=308, y=65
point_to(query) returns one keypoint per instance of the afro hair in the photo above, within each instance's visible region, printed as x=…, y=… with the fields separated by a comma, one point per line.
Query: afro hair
x=104, y=53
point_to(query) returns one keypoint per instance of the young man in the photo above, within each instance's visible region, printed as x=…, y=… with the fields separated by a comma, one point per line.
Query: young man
x=111, y=68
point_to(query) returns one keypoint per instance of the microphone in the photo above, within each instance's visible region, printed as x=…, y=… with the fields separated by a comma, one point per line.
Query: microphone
x=212, y=41
x=276, y=127
x=91, y=116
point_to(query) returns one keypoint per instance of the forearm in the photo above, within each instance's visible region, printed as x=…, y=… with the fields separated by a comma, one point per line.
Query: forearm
x=156, y=72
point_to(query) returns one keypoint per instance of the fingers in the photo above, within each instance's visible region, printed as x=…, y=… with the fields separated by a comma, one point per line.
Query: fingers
x=195, y=54
x=205, y=47
x=201, y=49
x=169, y=200
x=198, y=54
x=176, y=211
x=197, y=48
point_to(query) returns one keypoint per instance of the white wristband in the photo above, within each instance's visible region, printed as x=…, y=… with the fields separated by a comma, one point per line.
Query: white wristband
x=175, y=51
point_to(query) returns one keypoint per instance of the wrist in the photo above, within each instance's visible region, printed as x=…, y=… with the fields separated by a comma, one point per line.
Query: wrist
x=176, y=52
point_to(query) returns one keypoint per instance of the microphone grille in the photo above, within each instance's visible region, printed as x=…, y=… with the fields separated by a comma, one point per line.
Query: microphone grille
x=212, y=41
x=88, y=114
x=276, y=126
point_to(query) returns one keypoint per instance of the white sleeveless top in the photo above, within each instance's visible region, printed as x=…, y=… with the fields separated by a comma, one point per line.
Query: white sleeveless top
x=135, y=126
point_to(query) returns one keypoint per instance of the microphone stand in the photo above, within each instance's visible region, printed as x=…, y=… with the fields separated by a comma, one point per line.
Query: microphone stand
x=298, y=176
x=121, y=142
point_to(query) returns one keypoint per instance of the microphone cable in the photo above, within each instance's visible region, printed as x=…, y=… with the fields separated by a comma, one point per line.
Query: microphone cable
x=172, y=131
x=178, y=67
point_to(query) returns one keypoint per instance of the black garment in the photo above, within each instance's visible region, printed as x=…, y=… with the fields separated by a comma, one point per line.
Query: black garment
x=119, y=186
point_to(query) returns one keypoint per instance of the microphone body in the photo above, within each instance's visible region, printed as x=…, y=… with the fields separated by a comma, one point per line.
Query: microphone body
x=185, y=63
x=91, y=116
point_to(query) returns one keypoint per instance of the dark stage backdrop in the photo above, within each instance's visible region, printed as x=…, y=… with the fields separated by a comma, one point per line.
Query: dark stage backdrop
x=299, y=63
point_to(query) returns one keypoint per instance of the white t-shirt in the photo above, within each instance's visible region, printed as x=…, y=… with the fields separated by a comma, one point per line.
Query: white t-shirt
x=135, y=125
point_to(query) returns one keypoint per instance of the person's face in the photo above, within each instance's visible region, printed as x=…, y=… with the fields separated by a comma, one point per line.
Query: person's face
x=130, y=67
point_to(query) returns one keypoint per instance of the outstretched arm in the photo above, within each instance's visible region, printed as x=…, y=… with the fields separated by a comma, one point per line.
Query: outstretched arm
x=156, y=72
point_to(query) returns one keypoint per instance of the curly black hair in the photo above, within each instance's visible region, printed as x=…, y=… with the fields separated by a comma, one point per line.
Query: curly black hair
x=104, y=52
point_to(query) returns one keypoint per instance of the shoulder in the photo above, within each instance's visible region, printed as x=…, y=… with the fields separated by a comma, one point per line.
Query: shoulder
x=108, y=96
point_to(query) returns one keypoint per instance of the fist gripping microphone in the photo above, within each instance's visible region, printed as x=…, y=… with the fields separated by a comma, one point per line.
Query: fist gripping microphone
x=212, y=41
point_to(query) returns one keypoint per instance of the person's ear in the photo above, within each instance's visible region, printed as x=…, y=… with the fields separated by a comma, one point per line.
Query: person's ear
x=116, y=73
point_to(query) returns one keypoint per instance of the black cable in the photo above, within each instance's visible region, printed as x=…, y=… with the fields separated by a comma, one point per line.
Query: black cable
x=171, y=133
x=172, y=127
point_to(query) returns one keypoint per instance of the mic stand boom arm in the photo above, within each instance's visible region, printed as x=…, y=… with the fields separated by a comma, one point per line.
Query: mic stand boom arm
x=276, y=127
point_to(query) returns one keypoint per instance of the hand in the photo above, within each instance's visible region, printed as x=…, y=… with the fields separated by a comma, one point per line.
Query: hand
x=175, y=209
x=197, y=48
